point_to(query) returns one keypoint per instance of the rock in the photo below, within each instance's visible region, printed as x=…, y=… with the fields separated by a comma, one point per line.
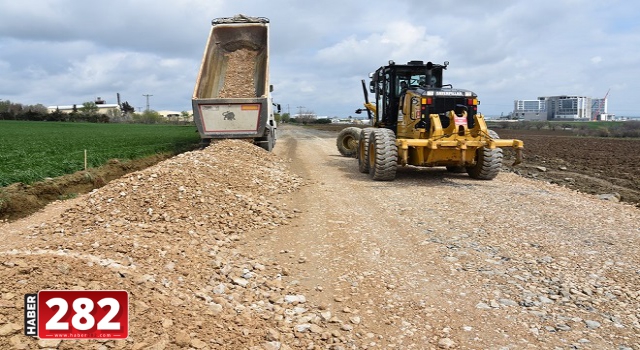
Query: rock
x=446, y=343
x=508, y=302
x=541, y=169
x=272, y=335
x=483, y=306
x=9, y=328
x=198, y=344
x=240, y=281
x=302, y=327
x=545, y=300
x=347, y=327
x=49, y=343
x=183, y=339
x=315, y=329
x=274, y=345
x=613, y=197
x=592, y=324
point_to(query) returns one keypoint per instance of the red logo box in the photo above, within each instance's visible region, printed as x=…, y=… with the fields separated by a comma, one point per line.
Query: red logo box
x=83, y=314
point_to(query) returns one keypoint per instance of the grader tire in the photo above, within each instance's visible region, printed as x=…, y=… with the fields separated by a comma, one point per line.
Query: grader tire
x=383, y=155
x=347, y=141
x=488, y=162
x=363, y=150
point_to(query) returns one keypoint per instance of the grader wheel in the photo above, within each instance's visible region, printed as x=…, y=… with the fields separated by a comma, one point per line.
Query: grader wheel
x=347, y=141
x=383, y=155
x=363, y=150
x=488, y=162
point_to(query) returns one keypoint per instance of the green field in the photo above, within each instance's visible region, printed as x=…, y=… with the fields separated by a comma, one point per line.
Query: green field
x=32, y=151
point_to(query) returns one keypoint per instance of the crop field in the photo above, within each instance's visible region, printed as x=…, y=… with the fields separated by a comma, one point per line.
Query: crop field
x=32, y=151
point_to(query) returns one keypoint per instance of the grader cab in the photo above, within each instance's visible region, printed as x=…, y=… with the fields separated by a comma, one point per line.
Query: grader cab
x=417, y=120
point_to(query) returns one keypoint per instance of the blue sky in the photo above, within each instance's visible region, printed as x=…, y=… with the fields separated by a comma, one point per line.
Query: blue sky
x=60, y=52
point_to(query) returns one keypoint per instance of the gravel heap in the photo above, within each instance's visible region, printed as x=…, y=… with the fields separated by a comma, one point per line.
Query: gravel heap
x=239, y=75
x=170, y=236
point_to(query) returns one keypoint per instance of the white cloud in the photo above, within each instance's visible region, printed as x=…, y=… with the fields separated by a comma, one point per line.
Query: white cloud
x=64, y=51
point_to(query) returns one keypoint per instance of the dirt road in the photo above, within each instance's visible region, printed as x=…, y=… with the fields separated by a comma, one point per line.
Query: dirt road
x=435, y=259
x=233, y=248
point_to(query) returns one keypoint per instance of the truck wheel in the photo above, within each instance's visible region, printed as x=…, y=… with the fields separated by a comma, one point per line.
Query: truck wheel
x=347, y=141
x=383, y=155
x=363, y=150
x=488, y=162
x=268, y=142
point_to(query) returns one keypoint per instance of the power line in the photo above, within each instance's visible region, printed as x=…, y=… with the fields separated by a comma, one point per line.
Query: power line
x=147, y=96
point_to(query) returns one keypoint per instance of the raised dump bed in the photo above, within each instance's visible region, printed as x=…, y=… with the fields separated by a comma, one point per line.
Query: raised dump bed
x=231, y=98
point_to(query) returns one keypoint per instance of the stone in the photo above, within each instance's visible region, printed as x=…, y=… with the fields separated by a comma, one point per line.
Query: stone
x=592, y=324
x=483, y=306
x=49, y=343
x=612, y=197
x=183, y=339
x=198, y=344
x=446, y=343
x=508, y=302
x=9, y=328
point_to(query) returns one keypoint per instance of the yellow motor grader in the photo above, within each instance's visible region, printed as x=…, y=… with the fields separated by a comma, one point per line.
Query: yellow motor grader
x=419, y=121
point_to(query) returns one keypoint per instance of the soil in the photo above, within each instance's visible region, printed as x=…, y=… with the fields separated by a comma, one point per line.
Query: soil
x=592, y=165
x=233, y=247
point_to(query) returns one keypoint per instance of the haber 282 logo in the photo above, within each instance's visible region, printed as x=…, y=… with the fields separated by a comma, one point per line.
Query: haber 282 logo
x=77, y=314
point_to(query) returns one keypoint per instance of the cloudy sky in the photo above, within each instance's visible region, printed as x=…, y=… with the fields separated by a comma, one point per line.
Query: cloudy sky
x=60, y=52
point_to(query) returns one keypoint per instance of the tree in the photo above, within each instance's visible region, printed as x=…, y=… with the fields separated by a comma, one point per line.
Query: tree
x=148, y=117
x=57, y=116
x=306, y=117
x=115, y=115
x=127, y=109
x=285, y=117
x=89, y=108
x=186, y=116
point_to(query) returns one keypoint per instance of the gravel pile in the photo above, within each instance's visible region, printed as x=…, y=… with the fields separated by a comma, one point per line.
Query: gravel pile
x=169, y=235
x=239, y=75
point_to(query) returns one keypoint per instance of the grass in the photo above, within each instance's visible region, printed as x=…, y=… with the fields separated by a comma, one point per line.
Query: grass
x=32, y=151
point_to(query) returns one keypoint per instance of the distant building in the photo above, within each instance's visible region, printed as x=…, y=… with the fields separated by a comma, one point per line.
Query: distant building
x=103, y=107
x=560, y=108
x=530, y=110
x=174, y=115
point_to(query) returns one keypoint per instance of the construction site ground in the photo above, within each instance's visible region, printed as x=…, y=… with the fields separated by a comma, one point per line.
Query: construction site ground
x=232, y=247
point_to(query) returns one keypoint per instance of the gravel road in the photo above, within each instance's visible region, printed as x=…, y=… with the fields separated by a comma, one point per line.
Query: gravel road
x=298, y=250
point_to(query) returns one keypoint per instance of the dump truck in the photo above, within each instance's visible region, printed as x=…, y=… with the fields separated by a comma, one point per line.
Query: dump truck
x=417, y=120
x=232, y=95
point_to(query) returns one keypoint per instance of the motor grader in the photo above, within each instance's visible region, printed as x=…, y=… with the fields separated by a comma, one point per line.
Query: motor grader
x=417, y=120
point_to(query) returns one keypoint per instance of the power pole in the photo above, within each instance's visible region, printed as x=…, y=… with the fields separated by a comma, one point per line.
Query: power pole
x=300, y=110
x=147, y=96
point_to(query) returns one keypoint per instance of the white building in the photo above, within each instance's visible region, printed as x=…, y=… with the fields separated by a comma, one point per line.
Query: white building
x=560, y=108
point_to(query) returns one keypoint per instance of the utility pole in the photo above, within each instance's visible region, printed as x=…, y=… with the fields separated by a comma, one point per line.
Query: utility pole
x=147, y=96
x=300, y=110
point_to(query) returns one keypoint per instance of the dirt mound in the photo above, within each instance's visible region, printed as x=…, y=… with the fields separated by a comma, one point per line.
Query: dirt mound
x=169, y=236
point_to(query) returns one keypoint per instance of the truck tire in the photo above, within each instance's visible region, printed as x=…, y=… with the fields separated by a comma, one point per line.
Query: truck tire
x=363, y=150
x=347, y=141
x=383, y=155
x=269, y=141
x=488, y=162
